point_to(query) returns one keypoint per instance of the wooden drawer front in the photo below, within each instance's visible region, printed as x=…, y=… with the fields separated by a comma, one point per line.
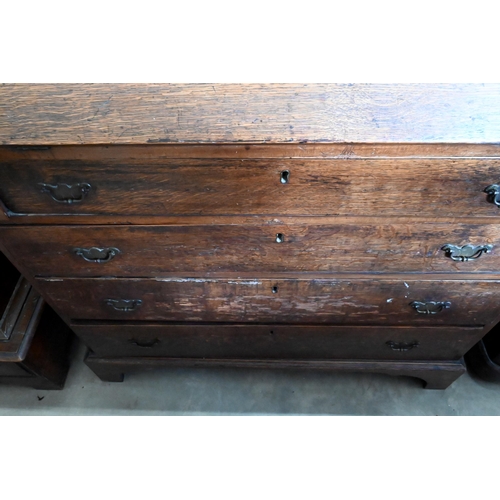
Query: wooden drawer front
x=144, y=251
x=426, y=187
x=278, y=341
x=370, y=301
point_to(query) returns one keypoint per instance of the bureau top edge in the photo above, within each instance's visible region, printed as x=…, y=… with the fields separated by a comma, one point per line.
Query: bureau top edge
x=12, y=152
x=218, y=113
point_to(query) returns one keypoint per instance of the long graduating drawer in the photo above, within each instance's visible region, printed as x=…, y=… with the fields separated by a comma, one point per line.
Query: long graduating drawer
x=427, y=187
x=318, y=301
x=150, y=251
x=277, y=341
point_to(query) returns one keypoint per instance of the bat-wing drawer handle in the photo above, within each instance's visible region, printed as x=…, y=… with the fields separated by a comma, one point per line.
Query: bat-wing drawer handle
x=66, y=193
x=465, y=253
x=145, y=344
x=97, y=255
x=124, y=305
x=402, y=346
x=430, y=307
x=493, y=193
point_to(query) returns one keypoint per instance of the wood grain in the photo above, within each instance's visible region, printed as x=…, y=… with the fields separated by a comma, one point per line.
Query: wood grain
x=275, y=341
x=187, y=179
x=256, y=113
x=349, y=247
x=324, y=301
x=163, y=187
x=159, y=152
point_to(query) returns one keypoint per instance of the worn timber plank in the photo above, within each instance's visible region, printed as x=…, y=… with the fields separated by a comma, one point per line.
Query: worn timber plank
x=254, y=113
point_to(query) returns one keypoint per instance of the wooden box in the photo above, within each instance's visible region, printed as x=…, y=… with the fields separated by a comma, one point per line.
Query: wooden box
x=34, y=341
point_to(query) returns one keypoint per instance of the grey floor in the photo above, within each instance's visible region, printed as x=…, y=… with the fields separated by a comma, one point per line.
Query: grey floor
x=249, y=392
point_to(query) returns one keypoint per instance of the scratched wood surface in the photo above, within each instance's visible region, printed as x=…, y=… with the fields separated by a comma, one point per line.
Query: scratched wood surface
x=276, y=341
x=154, y=187
x=323, y=301
x=149, y=251
x=157, y=153
x=172, y=113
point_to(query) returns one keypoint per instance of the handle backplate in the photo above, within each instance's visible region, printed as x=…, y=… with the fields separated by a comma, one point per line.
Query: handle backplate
x=402, y=346
x=97, y=255
x=493, y=192
x=465, y=253
x=430, y=307
x=148, y=344
x=67, y=193
x=124, y=305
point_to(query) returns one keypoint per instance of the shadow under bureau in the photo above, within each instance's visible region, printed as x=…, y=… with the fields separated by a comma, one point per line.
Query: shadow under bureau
x=376, y=256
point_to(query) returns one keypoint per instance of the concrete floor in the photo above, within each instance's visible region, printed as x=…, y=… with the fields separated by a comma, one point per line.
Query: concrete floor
x=182, y=391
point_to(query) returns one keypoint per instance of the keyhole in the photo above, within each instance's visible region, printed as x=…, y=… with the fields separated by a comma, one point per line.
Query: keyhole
x=285, y=176
x=275, y=289
x=271, y=332
x=280, y=238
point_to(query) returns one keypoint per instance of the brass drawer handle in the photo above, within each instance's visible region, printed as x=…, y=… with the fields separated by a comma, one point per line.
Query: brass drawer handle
x=493, y=193
x=66, y=193
x=97, y=255
x=402, y=346
x=145, y=344
x=430, y=307
x=465, y=253
x=124, y=305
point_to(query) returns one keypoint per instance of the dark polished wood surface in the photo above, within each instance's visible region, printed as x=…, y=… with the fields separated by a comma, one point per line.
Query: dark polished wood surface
x=427, y=187
x=275, y=341
x=35, y=351
x=149, y=251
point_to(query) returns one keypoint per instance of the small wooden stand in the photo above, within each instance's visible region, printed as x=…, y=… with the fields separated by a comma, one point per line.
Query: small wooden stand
x=34, y=341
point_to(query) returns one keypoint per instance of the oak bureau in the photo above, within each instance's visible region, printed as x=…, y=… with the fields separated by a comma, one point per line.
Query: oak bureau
x=319, y=226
